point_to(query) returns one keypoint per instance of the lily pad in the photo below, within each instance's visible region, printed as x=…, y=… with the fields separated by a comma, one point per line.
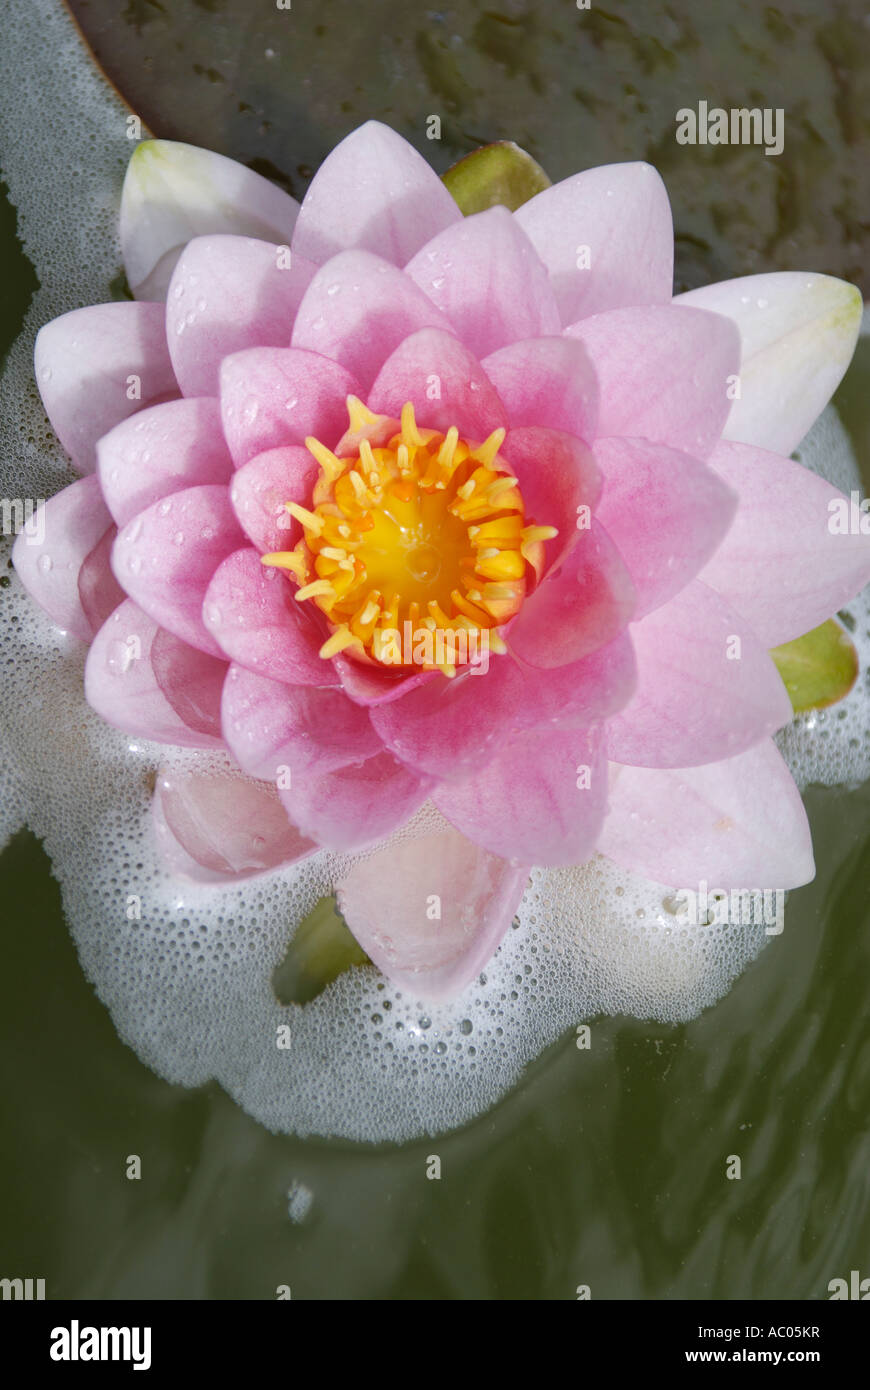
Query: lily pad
x=322, y=949
x=496, y=174
x=819, y=668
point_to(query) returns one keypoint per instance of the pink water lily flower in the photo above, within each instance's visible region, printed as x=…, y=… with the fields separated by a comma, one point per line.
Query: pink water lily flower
x=398, y=506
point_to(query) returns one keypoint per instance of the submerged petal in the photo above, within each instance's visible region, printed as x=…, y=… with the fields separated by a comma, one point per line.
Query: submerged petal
x=431, y=911
x=216, y=828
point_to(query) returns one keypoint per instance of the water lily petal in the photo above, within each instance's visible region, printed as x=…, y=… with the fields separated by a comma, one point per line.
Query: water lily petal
x=357, y=309
x=214, y=829
x=606, y=236
x=275, y=730
x=541, y=800
x=547, y=381
x=376, y=193
x=275, y=396
x=484, y=275
x=166, y=556
x=451, y=727
x=173, y=192
x=99, y=591
x=260, y=490
x=581, y=606
x=96, y=366
x=159, y=451
x=738, y=823
x=386, y=901
x=229, y=293
x=798, y=332
x=795, y=553
x=356, y=805
x=142, y=679
x=52, y=546
x=445, y=383
x=707, y=688
x=253, y=616
x=558, y=477
x=665, y=512
x=663, y=373
x=370, y=685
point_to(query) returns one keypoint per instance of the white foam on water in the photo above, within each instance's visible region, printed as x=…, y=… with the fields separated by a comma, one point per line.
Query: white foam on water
x=188, y=983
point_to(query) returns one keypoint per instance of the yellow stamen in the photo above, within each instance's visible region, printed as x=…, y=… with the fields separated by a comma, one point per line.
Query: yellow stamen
x=339, y=642
x=309, y=520
x=418, y=532
x=332, y=467
x=286, y=560
x=486, y=452
x=320, y=588
x=410, y=431
x=359, y=415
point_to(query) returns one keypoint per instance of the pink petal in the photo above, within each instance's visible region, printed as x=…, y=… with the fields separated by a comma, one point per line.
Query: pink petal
x=580, y=607
x=52, y=546
x=798, y=332
x=260, y=490
x=357, y=805
x=541, y=800
x=445, y=383
x=99, y=591
x=334, y=778
x=357, y=309
x=557, y=475
x=484, y=275
x=228, y=293
x=695, y=703
x=301, y=732
x=664, y=511
x=376, y=193
x=276, y=396
x=450, y=728
x=375, y=685
x=215, y=828
x=87, y=364
x=739, y=823
x=606, y=237
x=388, y=902
x=166, y=556
x=663, y=373
x=781, y=564
x=547, y=381
x=141, y=679
x=251, y=612
x=159, y=451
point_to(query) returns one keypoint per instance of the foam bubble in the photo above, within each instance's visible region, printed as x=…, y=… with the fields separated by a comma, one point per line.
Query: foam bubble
x=188, y=982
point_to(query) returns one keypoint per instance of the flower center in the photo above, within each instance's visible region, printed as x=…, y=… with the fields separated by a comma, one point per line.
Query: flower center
x=415, y=546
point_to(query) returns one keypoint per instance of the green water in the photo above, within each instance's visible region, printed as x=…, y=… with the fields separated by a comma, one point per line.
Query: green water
x=605, y=1167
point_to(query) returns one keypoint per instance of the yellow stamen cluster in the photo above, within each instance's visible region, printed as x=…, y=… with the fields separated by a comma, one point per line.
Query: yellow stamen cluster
x=419, y=532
